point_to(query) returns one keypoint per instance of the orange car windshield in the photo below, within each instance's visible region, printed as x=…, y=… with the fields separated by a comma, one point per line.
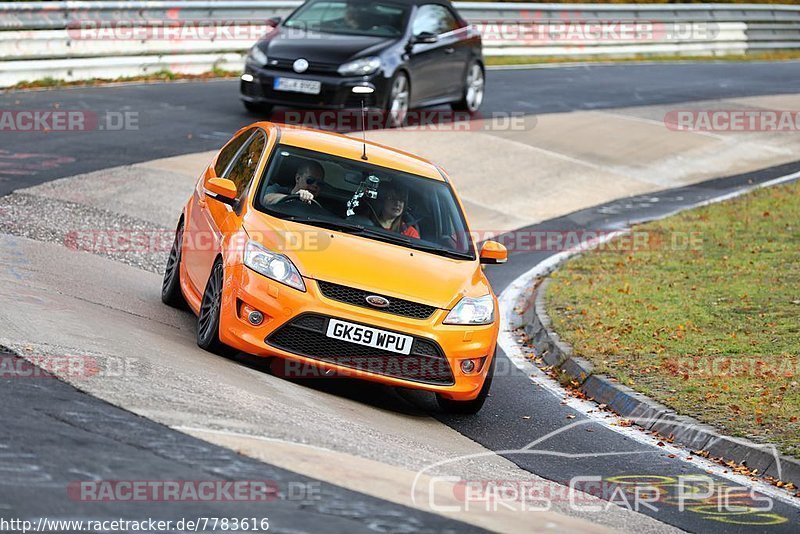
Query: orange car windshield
x=364, y=199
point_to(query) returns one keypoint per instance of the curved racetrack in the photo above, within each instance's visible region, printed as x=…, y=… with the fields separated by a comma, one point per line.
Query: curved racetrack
x=593, y=154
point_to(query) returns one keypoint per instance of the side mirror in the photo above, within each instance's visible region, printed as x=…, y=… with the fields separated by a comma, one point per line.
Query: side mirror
x=424, y=38
x=493, y=253
x=221, y=189
x=274, y=21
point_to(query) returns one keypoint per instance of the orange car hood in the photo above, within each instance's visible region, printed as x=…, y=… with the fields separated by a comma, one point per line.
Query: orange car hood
x=355, y=261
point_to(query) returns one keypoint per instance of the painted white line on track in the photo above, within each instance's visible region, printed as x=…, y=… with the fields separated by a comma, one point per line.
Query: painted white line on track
x=232, y=434
x=507, y=342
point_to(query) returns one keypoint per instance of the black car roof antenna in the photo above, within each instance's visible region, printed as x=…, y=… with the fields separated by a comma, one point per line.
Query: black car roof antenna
x=364, y=130
x=363, y=90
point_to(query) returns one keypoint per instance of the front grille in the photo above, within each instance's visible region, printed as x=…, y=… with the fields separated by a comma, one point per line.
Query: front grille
x=305, y=336
x=358, y=297
x=251, y=89
x=313, y=66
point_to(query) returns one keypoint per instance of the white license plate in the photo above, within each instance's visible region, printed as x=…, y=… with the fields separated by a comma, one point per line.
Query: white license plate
x=371, y=337
x=310, y=87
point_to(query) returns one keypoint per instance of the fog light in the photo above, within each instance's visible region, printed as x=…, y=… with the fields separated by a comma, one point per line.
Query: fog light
x=467, y=366
x=255, y=317
x=247, y=77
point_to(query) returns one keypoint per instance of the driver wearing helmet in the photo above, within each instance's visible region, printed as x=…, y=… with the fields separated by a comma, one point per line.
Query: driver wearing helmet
x=308, y=181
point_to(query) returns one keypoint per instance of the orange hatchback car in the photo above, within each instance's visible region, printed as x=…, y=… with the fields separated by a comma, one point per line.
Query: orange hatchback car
x=344, y=257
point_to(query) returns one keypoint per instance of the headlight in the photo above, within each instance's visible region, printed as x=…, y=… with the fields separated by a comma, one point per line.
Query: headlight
x=366, y=65
x=272, y=265
x=472, y=311
x=257, y=56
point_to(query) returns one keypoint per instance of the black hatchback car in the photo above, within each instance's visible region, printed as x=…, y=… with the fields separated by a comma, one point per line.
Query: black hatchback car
x=396, y=54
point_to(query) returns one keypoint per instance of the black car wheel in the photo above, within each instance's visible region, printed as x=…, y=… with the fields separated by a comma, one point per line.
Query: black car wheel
x=208, y=320
x=398, y=101
x=258, y=107
x=473, y=406
x=474, y=88
x=171, y=286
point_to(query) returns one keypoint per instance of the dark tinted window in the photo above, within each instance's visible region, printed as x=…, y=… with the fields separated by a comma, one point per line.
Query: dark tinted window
x=435, y=19
x=229, y=151
x=356, y=17
x=244, y=168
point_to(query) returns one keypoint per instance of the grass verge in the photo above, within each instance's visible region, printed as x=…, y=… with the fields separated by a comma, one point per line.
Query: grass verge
x=160, y=76
x=703, y=315
x=782, y=55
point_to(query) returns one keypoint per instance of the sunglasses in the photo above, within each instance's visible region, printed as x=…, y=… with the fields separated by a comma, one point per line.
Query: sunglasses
x=312, y=181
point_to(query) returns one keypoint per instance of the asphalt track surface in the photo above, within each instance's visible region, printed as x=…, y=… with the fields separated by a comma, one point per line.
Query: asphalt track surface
x=181, y=118
x=192, y=117
x=60, y=436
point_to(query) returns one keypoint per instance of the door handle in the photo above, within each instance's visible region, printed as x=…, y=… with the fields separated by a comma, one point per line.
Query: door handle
x=449, y=50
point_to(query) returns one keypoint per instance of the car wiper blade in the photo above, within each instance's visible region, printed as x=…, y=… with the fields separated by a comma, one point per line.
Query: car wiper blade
x=327, y=223
x=443, y=251
x=382, y=236
x=416, y=244
x=387, y=236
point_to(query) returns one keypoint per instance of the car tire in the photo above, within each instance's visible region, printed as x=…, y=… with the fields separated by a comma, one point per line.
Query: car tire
x=473, y=406
x=474, y=89
x=259, y=108
x=208, y=318
x=171, y=293
x=397, y=103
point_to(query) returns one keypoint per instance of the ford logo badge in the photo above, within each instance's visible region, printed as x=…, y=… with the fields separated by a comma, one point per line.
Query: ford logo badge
x=377, y=301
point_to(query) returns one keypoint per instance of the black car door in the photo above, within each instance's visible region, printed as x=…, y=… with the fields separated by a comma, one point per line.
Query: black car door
x=437, y=68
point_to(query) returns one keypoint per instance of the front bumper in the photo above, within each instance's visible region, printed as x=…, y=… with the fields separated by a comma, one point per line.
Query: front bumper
x=283, y=306
x=336, y=91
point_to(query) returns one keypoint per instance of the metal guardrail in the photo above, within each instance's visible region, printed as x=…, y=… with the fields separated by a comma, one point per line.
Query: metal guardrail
x=74, y=40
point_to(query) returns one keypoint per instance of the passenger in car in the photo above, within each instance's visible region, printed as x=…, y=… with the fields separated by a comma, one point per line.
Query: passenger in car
x=308, y=181
x=390, y=210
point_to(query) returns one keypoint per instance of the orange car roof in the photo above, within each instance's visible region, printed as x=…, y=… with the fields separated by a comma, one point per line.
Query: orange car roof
x=352, y=147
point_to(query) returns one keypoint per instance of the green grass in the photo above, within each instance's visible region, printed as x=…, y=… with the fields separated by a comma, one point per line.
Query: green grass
x=712, y=328
x=537, y=60
x=159, y=76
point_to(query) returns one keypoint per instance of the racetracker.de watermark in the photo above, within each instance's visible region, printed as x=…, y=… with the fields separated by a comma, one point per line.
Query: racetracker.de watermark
x=732, y=120
x=66, y=120
x=159, y=241
x=593, y=240
x=174, y=30
x=566, y=28
x=192, y=490
x=353, y=120
x=702, y=367
x=71, y=366
x=572, y=29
